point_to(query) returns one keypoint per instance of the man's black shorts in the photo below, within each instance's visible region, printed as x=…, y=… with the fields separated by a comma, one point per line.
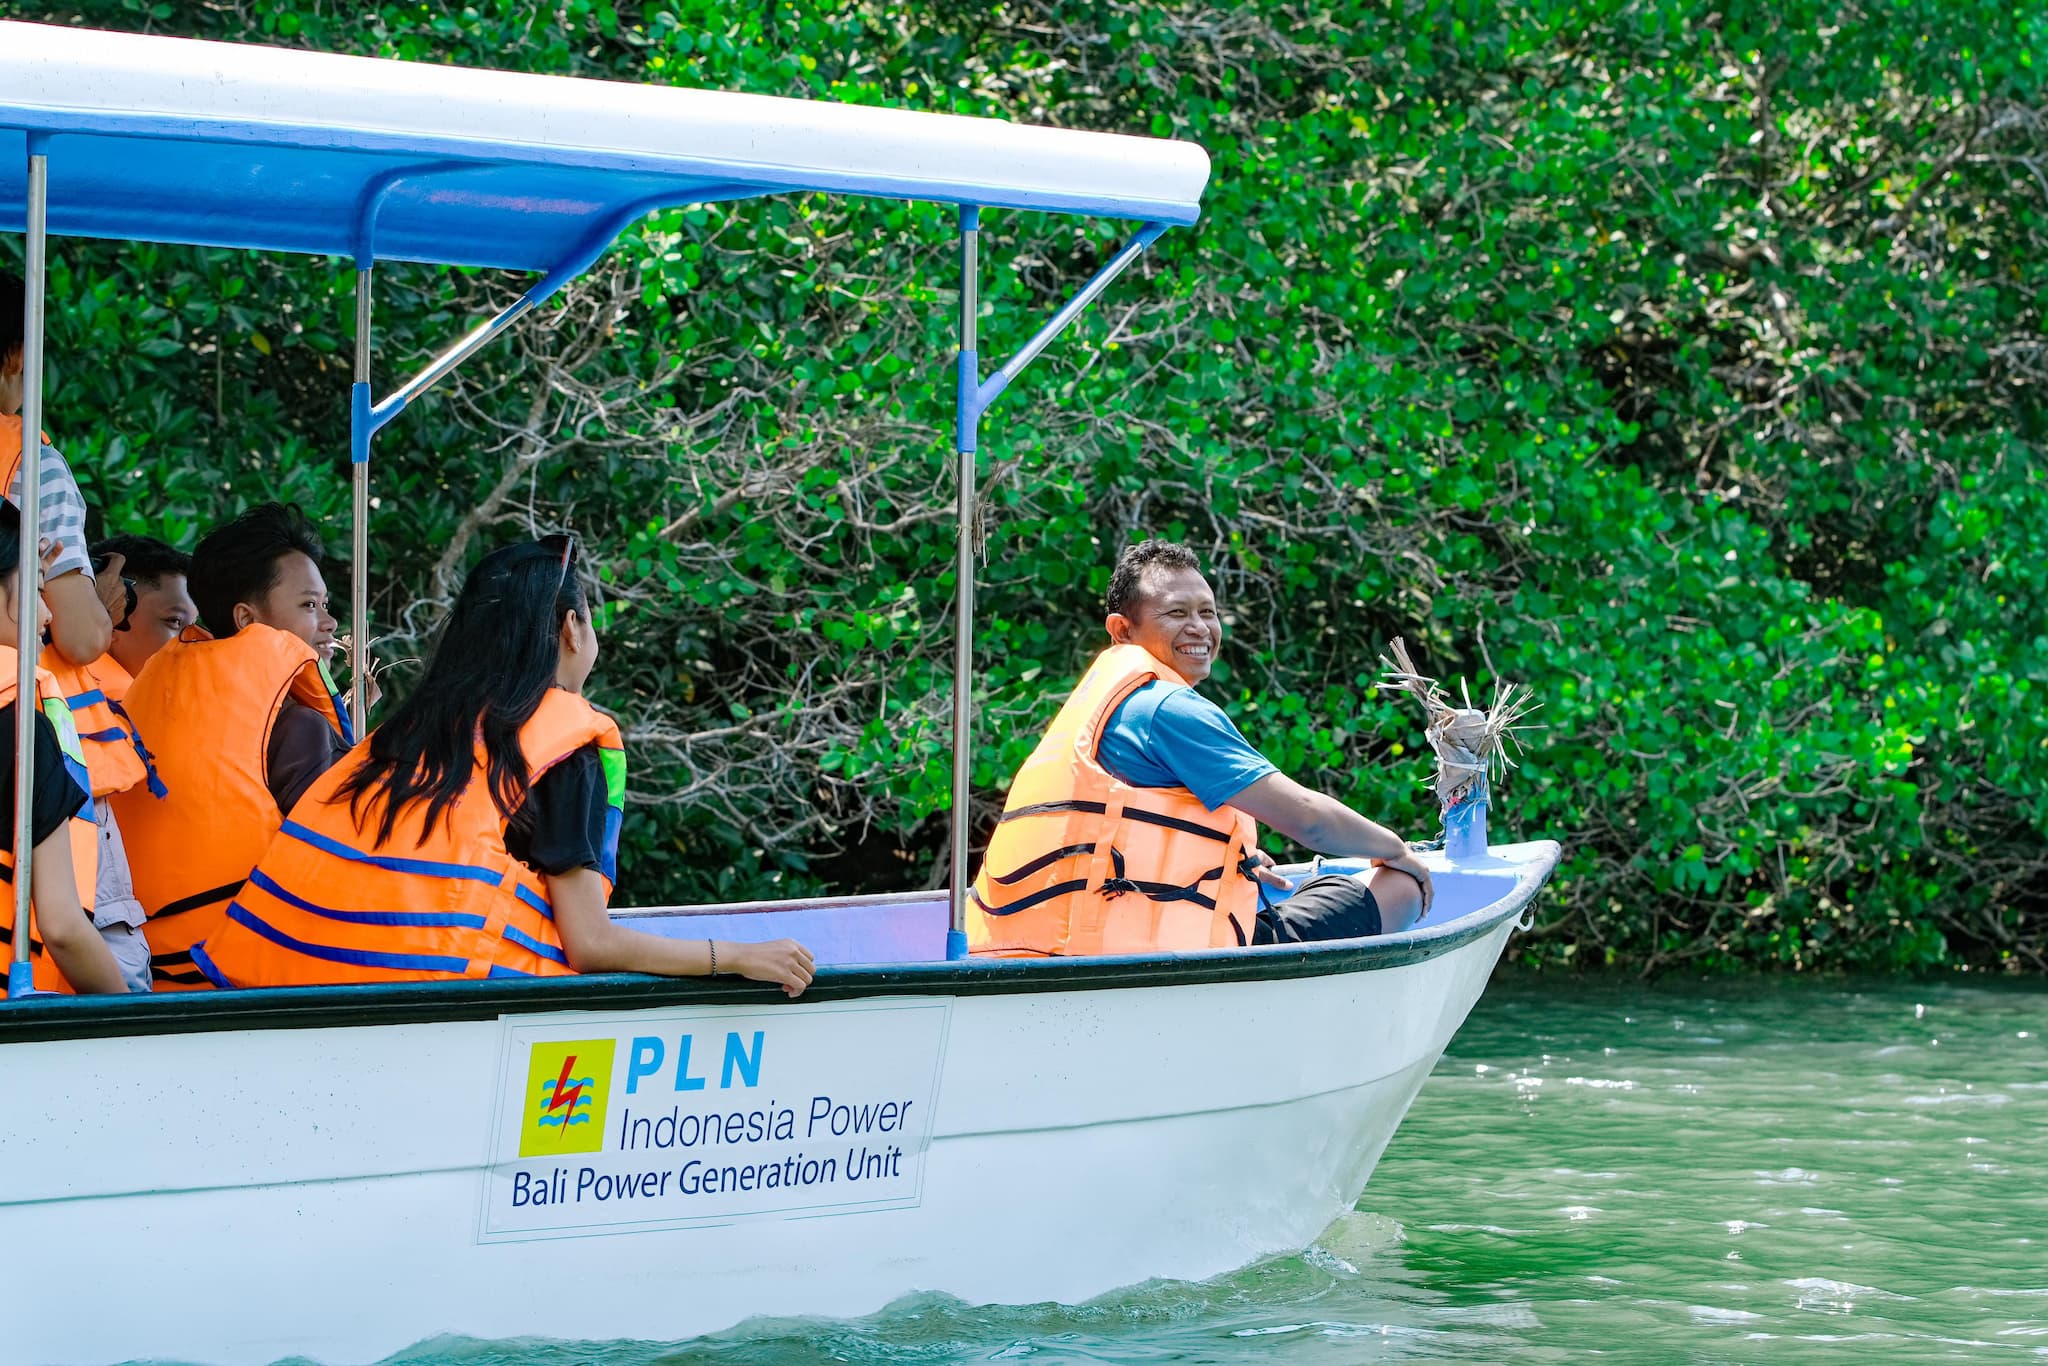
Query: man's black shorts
x=1333, y=906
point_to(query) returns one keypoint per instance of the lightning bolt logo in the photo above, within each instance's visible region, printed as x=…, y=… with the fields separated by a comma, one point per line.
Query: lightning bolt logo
x=565, y=1095
x=564, y=1106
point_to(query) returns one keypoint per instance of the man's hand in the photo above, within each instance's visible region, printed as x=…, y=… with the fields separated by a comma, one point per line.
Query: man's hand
x=1267, y=874
x=1414, y=868
x=113, y=593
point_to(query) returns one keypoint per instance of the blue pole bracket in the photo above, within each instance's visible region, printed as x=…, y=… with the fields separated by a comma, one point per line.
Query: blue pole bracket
x=976, y=395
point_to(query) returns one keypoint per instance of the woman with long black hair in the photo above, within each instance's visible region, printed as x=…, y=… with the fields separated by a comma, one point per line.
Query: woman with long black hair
x=475, y=833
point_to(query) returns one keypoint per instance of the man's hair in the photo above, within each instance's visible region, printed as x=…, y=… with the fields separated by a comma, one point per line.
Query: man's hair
x=13, y=301
x=1127, y=580
x=148, y=558
x=238, y=561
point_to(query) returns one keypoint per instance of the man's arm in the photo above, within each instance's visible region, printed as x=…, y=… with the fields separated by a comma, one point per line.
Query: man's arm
x=1328, y=826
x=1200, y=747
x=1322, y=823
x=79, y=626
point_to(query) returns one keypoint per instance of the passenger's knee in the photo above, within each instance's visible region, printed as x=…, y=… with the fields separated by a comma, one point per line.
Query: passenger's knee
x=1399, y=898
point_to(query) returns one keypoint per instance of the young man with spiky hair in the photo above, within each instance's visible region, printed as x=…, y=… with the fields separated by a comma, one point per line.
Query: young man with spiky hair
x=1133, y=827
x=241, y=716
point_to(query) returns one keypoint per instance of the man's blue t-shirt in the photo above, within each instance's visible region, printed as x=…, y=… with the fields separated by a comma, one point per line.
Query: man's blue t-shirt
x=1166, y=735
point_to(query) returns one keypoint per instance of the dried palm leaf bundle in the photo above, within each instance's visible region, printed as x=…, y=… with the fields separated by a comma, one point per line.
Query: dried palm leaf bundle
x=1474, y=746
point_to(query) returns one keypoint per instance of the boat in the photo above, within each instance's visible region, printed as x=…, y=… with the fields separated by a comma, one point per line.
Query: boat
x=340, y=1172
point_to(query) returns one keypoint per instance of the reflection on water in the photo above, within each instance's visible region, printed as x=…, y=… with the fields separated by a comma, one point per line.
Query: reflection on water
x=1717, y=1173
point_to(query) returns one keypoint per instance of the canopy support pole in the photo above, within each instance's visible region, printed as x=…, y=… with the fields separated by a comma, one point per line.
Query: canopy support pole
x=977, y=397
x=972, y=398
x=359, y=468
x=580, y=259
x=965, y=432
x=20, y=973
x=367, y=417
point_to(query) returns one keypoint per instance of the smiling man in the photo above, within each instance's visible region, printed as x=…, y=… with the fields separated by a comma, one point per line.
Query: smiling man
x=163, y=605
x=1133, y=827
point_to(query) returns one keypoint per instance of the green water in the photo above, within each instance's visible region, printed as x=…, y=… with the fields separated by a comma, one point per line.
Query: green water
x=1755, y=1172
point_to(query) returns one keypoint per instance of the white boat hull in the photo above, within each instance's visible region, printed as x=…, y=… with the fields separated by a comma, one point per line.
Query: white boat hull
x=317, y=1191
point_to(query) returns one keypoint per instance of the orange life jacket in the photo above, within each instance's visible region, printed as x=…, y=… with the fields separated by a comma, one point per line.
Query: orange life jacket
x=10, y=450
x=114, y=752
x=85, y=831
x=1083, y=863
x=208, y=707
x=329, y=904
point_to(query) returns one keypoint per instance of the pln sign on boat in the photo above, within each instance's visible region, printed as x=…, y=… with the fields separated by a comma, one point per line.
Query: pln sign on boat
x=664, y=1119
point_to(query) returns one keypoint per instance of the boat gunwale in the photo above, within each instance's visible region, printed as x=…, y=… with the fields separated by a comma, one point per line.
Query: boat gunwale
x=51, y=1018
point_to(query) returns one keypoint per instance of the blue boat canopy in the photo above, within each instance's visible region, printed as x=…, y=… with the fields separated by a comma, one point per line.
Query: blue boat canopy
x=218, y=144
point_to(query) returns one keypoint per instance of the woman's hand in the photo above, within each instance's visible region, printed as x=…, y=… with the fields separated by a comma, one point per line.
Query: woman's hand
x=1414, y=868
x=781, y=961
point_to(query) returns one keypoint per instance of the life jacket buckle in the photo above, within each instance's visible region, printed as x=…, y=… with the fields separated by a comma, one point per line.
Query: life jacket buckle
x=1116, y=884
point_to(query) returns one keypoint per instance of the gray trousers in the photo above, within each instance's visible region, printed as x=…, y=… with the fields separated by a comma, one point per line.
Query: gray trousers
x=115, y=912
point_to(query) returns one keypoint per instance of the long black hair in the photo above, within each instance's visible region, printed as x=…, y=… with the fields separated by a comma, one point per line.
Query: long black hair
x=496, y=659
x=10, y=538
x=13, y=312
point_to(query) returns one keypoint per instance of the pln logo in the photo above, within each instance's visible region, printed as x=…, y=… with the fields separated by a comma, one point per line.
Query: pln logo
x=566, y=1088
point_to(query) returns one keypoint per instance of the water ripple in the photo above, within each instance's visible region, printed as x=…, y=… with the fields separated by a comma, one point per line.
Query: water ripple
x=1774, y=1170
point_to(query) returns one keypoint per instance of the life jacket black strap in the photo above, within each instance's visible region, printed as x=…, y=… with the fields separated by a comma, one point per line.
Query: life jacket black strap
x=1167, y=891
x=1119, y=882
x=1044, y=861
x=1131, y=813
x=1042, y=895
x=177, y=967
x=1051, y=809
x=198, y=900
x=35, y=944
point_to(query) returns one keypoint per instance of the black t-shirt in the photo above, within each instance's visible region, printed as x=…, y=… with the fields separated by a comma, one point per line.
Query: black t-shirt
x=560, y=826
x=303, y=745
x=57, y=796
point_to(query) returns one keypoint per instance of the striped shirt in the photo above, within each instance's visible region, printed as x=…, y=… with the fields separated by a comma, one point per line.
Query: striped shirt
x=63, y=514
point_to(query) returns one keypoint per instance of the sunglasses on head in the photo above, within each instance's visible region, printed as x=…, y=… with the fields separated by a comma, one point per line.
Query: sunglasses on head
x=564, y=545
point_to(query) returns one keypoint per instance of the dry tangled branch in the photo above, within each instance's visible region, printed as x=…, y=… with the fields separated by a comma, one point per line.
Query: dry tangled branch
x=1473, y=746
